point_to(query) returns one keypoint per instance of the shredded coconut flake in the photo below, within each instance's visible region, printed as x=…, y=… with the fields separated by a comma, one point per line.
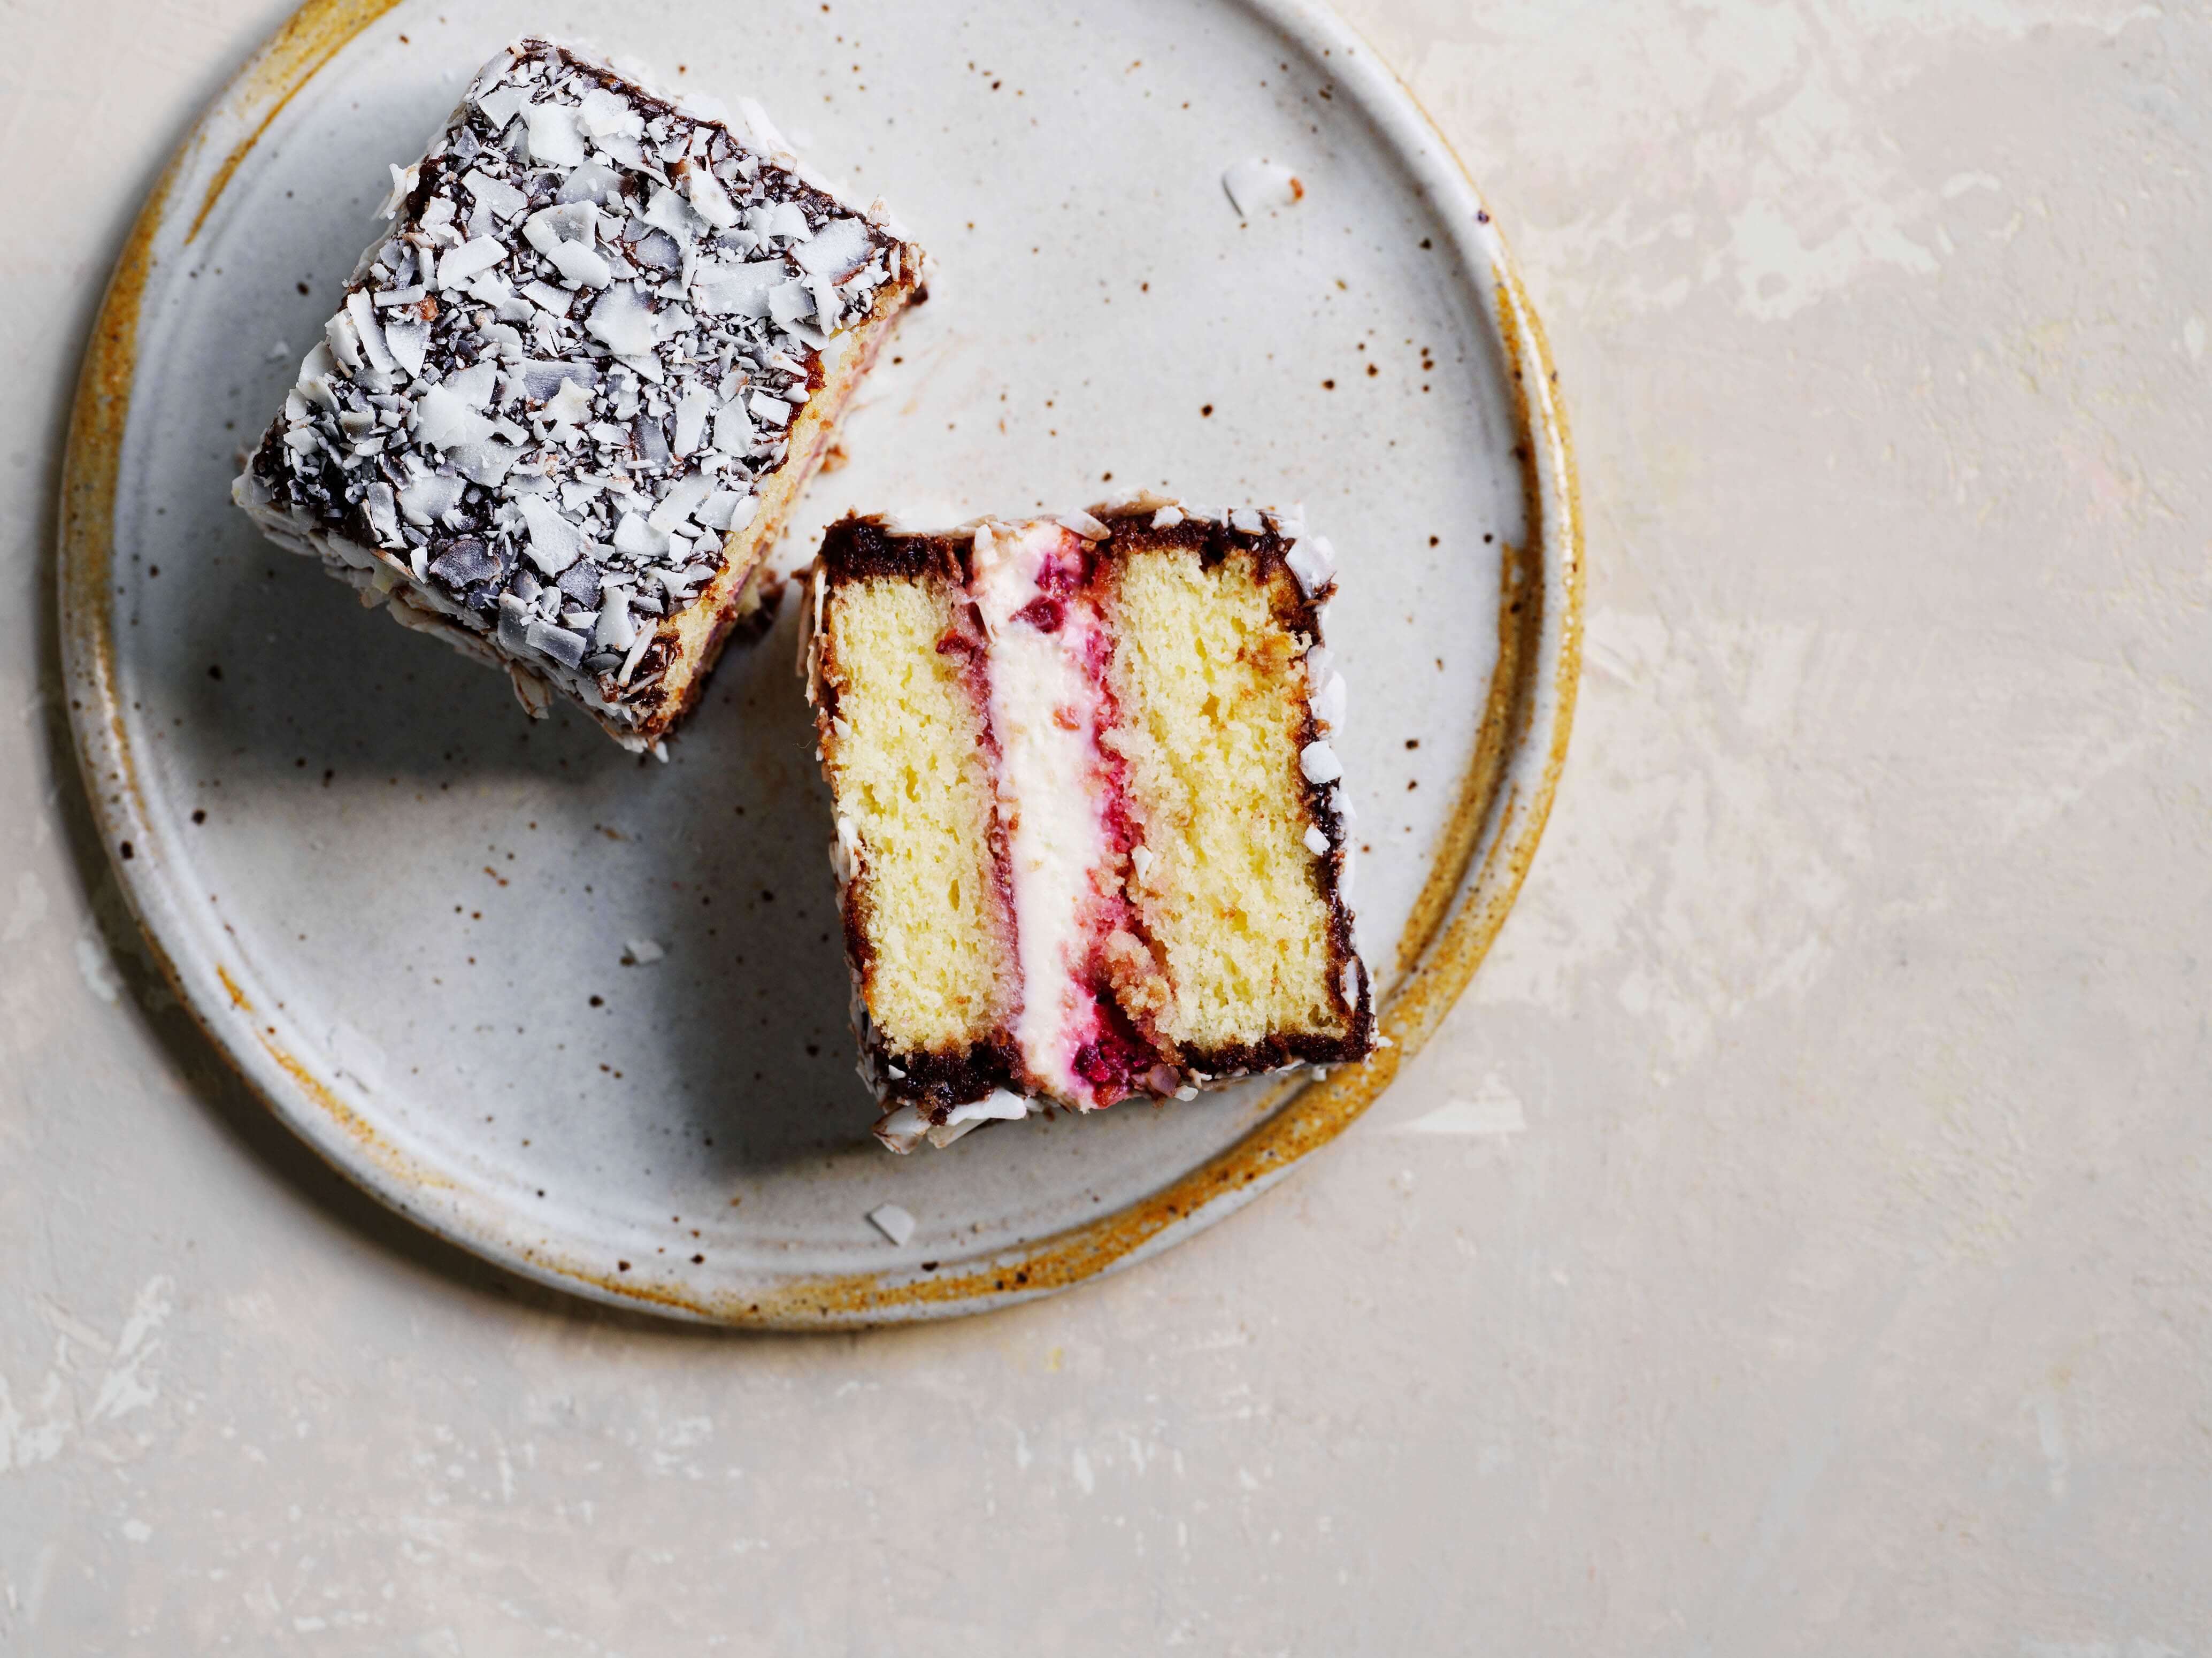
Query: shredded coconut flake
x=1256, y=184
x=1318, y=762
x=893, y=1222
x=997, y=1106
x=556, y=136
x=1328, y=702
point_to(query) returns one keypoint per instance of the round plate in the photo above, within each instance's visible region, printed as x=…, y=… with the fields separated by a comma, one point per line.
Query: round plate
x=406, y=913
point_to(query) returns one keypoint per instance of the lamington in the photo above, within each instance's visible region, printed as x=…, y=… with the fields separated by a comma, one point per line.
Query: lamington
x=568, y=399
x=1091, y=841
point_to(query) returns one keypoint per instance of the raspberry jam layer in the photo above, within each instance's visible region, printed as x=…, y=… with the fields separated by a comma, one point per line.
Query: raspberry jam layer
x=1061, y=798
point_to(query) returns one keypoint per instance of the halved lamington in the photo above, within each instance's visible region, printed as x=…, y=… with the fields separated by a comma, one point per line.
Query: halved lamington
x=570, y=397
x=1091, y=839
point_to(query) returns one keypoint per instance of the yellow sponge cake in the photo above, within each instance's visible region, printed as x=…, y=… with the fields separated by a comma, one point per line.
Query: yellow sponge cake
x=1089, y=834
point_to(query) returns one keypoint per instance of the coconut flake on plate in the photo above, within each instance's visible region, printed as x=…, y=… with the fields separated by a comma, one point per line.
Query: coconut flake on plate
x=893, y=1221
x=1255, y=184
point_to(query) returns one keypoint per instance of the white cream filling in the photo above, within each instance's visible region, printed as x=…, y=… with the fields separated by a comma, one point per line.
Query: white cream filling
x=1044, y=712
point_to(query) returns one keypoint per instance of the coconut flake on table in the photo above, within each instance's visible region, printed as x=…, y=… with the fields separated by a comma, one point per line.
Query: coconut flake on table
x=642, y=952
x=1256, y=183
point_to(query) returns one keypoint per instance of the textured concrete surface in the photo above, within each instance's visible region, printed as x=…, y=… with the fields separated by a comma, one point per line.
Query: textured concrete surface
x=1800, y=1240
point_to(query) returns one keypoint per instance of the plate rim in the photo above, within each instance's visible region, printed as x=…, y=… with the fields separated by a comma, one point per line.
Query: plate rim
x=1498, y=818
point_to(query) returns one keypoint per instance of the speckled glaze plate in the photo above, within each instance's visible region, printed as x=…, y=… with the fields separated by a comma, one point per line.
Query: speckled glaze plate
x=406, y=913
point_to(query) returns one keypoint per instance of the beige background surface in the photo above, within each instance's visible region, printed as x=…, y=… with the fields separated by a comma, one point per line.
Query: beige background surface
x=1800, y=1240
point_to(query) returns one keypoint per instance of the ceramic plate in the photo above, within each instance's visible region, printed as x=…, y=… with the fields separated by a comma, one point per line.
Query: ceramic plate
x=413, y=918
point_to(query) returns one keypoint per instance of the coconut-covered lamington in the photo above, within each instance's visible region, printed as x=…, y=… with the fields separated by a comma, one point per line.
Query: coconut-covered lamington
x=1091, y=838
x=570, y=396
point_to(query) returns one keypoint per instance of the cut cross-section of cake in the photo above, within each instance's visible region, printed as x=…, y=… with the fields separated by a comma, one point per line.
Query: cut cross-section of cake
x=1091, y=838
x=569, y=397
